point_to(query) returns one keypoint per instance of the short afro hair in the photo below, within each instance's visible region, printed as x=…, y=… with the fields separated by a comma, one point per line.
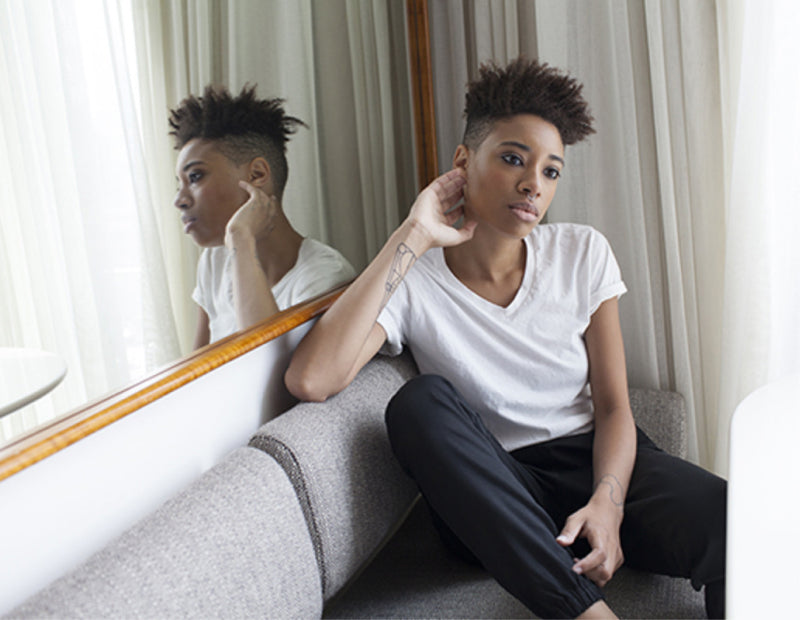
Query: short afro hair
x=244, y=127
x=525, y=87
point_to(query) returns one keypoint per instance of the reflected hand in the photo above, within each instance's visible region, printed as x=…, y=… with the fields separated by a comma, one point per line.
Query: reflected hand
x=256, y=217
x=433, y=210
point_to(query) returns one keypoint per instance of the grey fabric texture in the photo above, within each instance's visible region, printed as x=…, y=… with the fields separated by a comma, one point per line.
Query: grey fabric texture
x=662, y=415
x=414, y=576
x=337, y=454
x=280, y=530
x=233, y=545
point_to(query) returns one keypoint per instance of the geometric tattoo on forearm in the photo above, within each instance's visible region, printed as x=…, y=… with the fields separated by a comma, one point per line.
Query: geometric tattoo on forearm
x=404, y=257
x=615, y=489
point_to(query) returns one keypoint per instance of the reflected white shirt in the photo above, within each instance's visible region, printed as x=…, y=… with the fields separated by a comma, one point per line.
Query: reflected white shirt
x=318, y=269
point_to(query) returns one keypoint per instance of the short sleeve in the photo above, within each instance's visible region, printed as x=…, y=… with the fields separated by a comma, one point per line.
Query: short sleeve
x=197, y=295
x=200, y=293
x=327, y=273
x=319, y=268
x=606, y=279
x=393, y=320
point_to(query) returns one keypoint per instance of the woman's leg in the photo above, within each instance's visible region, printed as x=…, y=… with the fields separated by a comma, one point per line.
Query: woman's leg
x=675, y=517
x=674, y=513
x=485, y=497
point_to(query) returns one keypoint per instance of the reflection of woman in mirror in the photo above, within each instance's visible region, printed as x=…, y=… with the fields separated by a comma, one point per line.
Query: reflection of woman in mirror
x=231, y=173
x=519, y=432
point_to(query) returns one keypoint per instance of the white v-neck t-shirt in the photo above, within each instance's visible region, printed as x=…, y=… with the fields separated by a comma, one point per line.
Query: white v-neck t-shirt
x=524, y=367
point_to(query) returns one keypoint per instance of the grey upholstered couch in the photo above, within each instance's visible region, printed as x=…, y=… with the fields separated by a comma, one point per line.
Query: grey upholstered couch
x=296, y=525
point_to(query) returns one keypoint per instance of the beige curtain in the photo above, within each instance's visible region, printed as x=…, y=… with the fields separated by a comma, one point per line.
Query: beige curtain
x=759, y=46
x=93, y=260
x=75, y=236
x=341, y=67
x=654, y=180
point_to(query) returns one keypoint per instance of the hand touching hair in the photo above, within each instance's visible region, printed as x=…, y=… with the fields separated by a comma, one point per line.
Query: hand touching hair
x=244, y=127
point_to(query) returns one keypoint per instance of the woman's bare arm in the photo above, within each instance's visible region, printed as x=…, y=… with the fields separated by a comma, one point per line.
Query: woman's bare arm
x=202, y=334
x=252, y=290
x=614, y=449
x=347, y=335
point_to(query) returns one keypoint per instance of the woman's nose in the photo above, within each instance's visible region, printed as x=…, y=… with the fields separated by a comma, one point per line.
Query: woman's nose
x=181, y=199
x=529, y=185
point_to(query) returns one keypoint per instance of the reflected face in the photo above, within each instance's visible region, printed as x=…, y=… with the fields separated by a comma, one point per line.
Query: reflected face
x=208, y=191
x=513, y=174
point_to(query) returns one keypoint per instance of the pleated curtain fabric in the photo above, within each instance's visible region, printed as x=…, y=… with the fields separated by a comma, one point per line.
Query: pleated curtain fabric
x=693, y=207
x=94, y=263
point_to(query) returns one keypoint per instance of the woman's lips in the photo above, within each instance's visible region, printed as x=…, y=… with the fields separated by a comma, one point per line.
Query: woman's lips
x=187, y=223
x=525, y=211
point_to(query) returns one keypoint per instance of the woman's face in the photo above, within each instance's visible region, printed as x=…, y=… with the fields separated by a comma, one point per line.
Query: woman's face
x=512, y=175
x=208, y=191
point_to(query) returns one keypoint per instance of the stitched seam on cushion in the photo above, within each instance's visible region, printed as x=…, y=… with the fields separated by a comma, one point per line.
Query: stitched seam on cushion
x=291, y=465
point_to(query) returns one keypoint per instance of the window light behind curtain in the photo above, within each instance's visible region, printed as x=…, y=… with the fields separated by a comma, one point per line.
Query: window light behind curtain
x=761, y=90
x=693, y=175
x=78, y=275
x=93, y=262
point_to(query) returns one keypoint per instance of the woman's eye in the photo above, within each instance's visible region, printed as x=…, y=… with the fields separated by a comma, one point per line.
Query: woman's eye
x=512, y=158
x=195, y=176
x=552, y=173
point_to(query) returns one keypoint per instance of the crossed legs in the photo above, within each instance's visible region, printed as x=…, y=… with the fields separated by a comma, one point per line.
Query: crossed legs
x=506, y=509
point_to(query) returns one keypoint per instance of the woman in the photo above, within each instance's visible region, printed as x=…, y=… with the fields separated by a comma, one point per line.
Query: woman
x=232, y=171
x=519, y=432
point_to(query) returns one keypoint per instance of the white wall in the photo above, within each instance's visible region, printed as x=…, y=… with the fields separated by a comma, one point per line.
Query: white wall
x=56, y=513
x=763, y=503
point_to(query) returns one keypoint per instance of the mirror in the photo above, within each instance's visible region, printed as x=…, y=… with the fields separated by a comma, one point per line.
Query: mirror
x=352, y=91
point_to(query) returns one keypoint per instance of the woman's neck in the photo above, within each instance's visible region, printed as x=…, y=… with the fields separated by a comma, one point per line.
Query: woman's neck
x=486, y=257
x=279, y=250
x=492, y=268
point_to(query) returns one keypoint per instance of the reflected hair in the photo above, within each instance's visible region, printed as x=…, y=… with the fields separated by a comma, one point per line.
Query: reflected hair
x=525, y=87
x=243, y=127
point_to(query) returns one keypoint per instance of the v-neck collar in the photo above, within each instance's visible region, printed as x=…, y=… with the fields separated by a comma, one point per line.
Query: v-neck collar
x=524, y=287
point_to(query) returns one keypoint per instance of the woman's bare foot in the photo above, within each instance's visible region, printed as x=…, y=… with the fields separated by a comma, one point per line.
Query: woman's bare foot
x=598, y=610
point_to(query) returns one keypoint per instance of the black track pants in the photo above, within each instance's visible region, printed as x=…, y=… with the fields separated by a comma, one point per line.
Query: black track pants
x=506, y=509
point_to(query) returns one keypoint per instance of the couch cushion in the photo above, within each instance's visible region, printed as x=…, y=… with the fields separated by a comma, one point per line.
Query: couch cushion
x=234, y=544
x=337, y=455
x=662, y=415
x=414, y=576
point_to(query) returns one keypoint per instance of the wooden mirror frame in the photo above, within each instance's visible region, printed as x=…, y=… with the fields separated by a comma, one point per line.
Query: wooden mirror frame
x=73, y=426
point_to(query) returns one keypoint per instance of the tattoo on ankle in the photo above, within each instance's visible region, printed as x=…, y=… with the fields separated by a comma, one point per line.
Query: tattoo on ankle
x=614, y=489
x=404, y=257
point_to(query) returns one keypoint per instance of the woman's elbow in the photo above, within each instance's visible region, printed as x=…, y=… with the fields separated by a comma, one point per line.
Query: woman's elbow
x=305, y=386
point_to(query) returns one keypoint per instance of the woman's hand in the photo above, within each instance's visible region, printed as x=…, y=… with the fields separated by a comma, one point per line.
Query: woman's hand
x=613, y=452
x=434, y=212
x=255, y=218
x=598, y=522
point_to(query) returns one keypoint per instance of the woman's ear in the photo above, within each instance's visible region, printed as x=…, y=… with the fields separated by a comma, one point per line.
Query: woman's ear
x=259, y=174
x=461, y=156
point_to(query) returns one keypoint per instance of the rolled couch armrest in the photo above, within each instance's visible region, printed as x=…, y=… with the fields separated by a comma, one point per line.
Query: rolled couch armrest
x=232, y=545
x=337, y=455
